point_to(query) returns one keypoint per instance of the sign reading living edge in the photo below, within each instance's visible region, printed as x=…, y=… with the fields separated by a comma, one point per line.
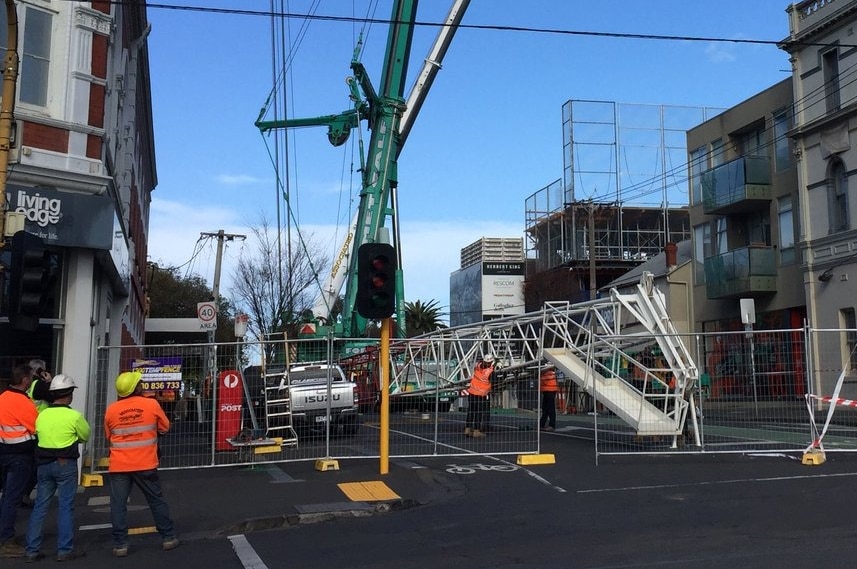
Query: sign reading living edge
x=65, y=218
x=497, y=268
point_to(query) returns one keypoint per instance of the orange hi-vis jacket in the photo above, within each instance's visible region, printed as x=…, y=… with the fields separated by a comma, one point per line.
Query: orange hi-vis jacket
x=132, y=426
x=547, y=381
x=17, y=422
x=480, y=383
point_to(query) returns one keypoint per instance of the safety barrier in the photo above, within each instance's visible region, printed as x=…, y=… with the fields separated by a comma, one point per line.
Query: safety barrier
x=222, y=413
x=747, y=393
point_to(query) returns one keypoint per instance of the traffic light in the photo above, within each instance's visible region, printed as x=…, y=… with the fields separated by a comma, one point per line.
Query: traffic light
x=31, y=280
x=376, y=280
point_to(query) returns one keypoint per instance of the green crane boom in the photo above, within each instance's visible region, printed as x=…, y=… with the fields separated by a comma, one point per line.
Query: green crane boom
x=383, y=110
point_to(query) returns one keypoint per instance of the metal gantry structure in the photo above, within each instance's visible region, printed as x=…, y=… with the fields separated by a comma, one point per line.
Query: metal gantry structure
x=598, y=345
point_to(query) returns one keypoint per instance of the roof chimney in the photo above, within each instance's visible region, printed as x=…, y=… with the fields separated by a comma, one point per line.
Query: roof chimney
x=671, y=250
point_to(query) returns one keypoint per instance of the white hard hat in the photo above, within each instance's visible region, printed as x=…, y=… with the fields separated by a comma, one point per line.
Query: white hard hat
x=62, y=381
x=488, y=358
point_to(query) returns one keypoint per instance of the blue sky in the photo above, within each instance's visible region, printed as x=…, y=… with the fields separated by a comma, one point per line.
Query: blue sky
x=488, y=135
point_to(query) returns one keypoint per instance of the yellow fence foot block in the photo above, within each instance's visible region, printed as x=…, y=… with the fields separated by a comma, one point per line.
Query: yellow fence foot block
x=104, y=462
x=530, y=459
x=323, y=465
x=90, y=480
x=813, y=457
x=267, y=449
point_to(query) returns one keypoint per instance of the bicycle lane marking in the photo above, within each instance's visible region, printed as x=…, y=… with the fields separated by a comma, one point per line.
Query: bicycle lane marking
x=529, y=472
x=507, y=464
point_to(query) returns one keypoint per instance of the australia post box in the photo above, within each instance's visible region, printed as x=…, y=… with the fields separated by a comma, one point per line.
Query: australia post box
x=229, y=408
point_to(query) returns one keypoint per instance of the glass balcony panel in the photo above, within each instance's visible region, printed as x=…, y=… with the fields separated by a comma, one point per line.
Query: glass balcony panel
x=740, y=185
x=748, y=271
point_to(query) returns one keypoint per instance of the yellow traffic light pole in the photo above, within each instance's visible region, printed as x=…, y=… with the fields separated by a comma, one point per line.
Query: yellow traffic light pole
x=7, y=107
x=384, y=368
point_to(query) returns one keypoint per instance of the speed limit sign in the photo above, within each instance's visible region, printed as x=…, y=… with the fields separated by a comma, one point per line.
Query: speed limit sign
x=206, y=313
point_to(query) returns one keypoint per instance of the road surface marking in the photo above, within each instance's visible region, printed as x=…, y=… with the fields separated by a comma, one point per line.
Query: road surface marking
x=373, y=491
x=715, y=482
x=245, y=552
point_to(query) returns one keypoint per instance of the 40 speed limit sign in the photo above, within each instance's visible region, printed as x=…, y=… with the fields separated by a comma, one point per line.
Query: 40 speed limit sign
x=206, y=313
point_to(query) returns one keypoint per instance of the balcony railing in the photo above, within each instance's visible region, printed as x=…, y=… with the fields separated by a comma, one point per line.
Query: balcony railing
x=742, y=272
x=740, y=185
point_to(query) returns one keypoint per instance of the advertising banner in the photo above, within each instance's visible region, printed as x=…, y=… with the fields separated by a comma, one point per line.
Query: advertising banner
x=161, y=377
x=230, y=393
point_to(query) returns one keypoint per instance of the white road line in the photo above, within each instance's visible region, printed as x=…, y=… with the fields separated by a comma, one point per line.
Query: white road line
x=715, y=483
x=245, y=552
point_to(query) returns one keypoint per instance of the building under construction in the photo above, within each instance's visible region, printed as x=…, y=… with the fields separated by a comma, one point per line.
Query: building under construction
x=623, y=196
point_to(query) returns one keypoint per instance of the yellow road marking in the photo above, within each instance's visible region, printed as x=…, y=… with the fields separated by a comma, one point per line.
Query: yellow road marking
x=138, y=531
x=373, y=491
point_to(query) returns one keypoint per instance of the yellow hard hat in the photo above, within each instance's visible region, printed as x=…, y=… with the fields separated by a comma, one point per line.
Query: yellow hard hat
x=127, y=382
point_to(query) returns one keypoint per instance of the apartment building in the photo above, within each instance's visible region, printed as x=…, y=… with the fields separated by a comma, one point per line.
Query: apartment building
x=744, y=202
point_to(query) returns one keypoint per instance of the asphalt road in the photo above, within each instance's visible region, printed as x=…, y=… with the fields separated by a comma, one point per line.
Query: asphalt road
x=697, y=512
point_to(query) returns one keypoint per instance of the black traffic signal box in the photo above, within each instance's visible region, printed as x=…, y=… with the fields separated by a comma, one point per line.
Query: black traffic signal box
x=31, y=280
x=376, y=280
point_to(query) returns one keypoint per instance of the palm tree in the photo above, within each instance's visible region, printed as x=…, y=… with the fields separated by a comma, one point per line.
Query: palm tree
x=422, y=317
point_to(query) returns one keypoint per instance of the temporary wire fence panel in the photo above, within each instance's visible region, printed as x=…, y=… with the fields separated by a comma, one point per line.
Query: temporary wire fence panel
x=750, y=397
x=832, y=389
x=225, y=412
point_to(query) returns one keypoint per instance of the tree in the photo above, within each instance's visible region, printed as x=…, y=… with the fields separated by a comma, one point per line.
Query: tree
x=277, y=288
x=174, y=296
x=171, y=295
x=421, y=318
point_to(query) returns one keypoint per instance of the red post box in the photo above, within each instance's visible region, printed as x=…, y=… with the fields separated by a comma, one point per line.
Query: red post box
x=230, y=393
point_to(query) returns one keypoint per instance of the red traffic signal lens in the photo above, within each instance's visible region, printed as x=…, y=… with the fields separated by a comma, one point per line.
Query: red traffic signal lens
x=380, y=263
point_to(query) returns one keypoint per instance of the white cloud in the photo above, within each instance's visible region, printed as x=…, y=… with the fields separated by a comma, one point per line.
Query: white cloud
x=239, y=179
x=431, y=250
x=720, y=52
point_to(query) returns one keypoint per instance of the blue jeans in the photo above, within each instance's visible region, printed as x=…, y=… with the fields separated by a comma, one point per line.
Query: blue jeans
x=17, y=469
x=120, y=488
x=60, y=477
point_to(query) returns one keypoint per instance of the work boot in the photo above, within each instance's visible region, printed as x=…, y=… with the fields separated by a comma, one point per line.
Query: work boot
x=69, y=555
x=477, y=434
x=468, y=431
x=10, y=549
x=169, y=544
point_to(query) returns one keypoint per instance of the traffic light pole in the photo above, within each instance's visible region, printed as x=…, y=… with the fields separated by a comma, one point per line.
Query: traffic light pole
x=7, y=107
x=384, y=368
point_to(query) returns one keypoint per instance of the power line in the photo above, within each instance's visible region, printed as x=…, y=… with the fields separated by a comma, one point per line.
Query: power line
x=483, y=27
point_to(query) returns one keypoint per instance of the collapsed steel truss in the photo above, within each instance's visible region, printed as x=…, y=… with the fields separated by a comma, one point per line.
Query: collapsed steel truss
x=594, y=343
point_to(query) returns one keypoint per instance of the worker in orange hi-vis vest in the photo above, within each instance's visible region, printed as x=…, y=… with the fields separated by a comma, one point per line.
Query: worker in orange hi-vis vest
x=132, y=425
x=17, y=447
x=478, y=404
x=549, y=387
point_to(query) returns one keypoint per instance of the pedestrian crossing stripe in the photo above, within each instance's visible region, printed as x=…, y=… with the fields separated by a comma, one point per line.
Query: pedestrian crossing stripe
x=373, y=491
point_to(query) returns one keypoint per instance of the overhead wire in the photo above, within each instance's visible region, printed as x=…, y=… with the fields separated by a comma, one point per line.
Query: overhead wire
x=489, y=27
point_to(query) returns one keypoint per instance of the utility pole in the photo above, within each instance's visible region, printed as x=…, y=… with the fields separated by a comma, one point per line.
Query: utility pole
x=7, y=108
x=591, y=227
x=221, y=237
